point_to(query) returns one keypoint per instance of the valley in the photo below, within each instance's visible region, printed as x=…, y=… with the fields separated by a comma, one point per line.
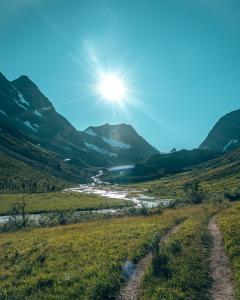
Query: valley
x=119, y=150
x=102, y=214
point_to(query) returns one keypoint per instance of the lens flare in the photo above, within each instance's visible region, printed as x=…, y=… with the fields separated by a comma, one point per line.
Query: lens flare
x=112, y=88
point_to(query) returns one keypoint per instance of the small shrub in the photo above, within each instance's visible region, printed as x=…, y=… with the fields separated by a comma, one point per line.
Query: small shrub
x=175, y=247
x=43, y=283
x=233, y=195
x=160, y=266
x=194, y=193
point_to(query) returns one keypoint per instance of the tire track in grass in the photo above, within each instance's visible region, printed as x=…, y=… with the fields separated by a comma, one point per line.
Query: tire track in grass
x=222, y=286
x=132, y=290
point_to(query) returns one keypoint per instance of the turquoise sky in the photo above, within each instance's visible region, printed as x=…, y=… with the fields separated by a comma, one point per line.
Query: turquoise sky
x=180, y=59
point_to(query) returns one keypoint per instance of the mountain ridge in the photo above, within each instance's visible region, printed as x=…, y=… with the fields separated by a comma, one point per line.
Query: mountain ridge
x=225, y=134
x=32, y=131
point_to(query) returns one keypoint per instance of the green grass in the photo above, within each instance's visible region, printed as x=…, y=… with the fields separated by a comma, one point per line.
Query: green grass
x=215, y=177
x=49, y=202
x=180, y=270
x=19, y=176
x=82, y=261
x=229, y=223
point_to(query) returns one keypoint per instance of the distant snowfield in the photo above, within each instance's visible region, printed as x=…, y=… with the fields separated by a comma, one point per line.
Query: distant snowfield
x=116, y=143
x=229, y=144
x=21, y=98
x=20, y=101
x=19, y=104
x=31, y=126
x=37, y=113
x=99, y=150
x=3, y=112
x=89, y=131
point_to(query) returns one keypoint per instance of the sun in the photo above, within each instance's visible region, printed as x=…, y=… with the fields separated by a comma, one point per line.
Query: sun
x=112, y=88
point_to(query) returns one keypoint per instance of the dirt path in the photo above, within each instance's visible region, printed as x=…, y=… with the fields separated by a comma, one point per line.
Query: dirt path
x=222, y=287
x=132, y=290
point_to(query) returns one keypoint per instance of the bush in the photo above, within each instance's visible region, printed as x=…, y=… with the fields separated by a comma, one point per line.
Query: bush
x=233, y=195
x=193, y=193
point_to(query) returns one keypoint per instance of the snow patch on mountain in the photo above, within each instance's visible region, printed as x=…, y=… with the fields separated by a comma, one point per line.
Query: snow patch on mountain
x=116, y=143
x=229, y=144
x=99, y=150
x=37, y=113
x=19, y=104
x=31, y=126
x=20, y=101
x=89, y=131
x=3, y=112
x=21, y=98
x=47, y=108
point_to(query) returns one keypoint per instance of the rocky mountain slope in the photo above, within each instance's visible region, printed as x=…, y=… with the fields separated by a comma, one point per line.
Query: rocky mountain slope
x=26, y=114
x=33, y=132
x=120, y=142
x=223, y=138
x=225, y=135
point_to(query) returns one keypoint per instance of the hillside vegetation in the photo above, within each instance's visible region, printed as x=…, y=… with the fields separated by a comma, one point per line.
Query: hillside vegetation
x=229, y=222
x=217, y=178
x=84, y=261
x=17, y=176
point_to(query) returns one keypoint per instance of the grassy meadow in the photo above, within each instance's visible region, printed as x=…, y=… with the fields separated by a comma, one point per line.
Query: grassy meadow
x=180, y=269
x=20, y=177
x=215, y=182
x=229, y=223
x=81, y=261
x=58, y=201
x=216, y=178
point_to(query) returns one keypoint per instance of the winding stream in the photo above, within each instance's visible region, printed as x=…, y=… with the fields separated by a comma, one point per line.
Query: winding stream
x=107, y=190
x=114, y=191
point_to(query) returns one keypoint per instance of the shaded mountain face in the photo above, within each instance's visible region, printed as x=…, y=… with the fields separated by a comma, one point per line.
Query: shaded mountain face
x=160, y=165
x=32, y=131
x=225, y=135
x=120, y=142
x=27, y=115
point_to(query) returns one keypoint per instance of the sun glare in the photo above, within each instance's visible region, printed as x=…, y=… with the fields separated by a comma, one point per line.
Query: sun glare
x=112, y=88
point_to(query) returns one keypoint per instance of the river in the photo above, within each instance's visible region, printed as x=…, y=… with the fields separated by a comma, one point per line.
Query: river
x=107, y=190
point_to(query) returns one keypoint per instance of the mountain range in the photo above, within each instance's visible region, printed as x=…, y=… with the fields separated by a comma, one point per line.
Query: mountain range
x=33, y=132
x=35, y=137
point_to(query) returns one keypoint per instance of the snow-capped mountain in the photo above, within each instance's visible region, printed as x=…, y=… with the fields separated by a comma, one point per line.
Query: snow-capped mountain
x=28, y=115
x=120, y=142
x=225, y=135
x=32, y=130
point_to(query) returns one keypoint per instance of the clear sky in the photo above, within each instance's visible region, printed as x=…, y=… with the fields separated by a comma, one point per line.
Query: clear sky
x=180, y=60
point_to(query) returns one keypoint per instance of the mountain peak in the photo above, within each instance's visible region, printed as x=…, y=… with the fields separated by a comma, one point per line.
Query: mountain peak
x=2, y=76
x=24, y=81
x=120, y=141
x=225, y=135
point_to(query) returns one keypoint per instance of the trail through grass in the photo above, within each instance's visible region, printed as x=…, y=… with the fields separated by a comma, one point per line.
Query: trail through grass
x=180, y=268
x=83, y=261
x=222, y=286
